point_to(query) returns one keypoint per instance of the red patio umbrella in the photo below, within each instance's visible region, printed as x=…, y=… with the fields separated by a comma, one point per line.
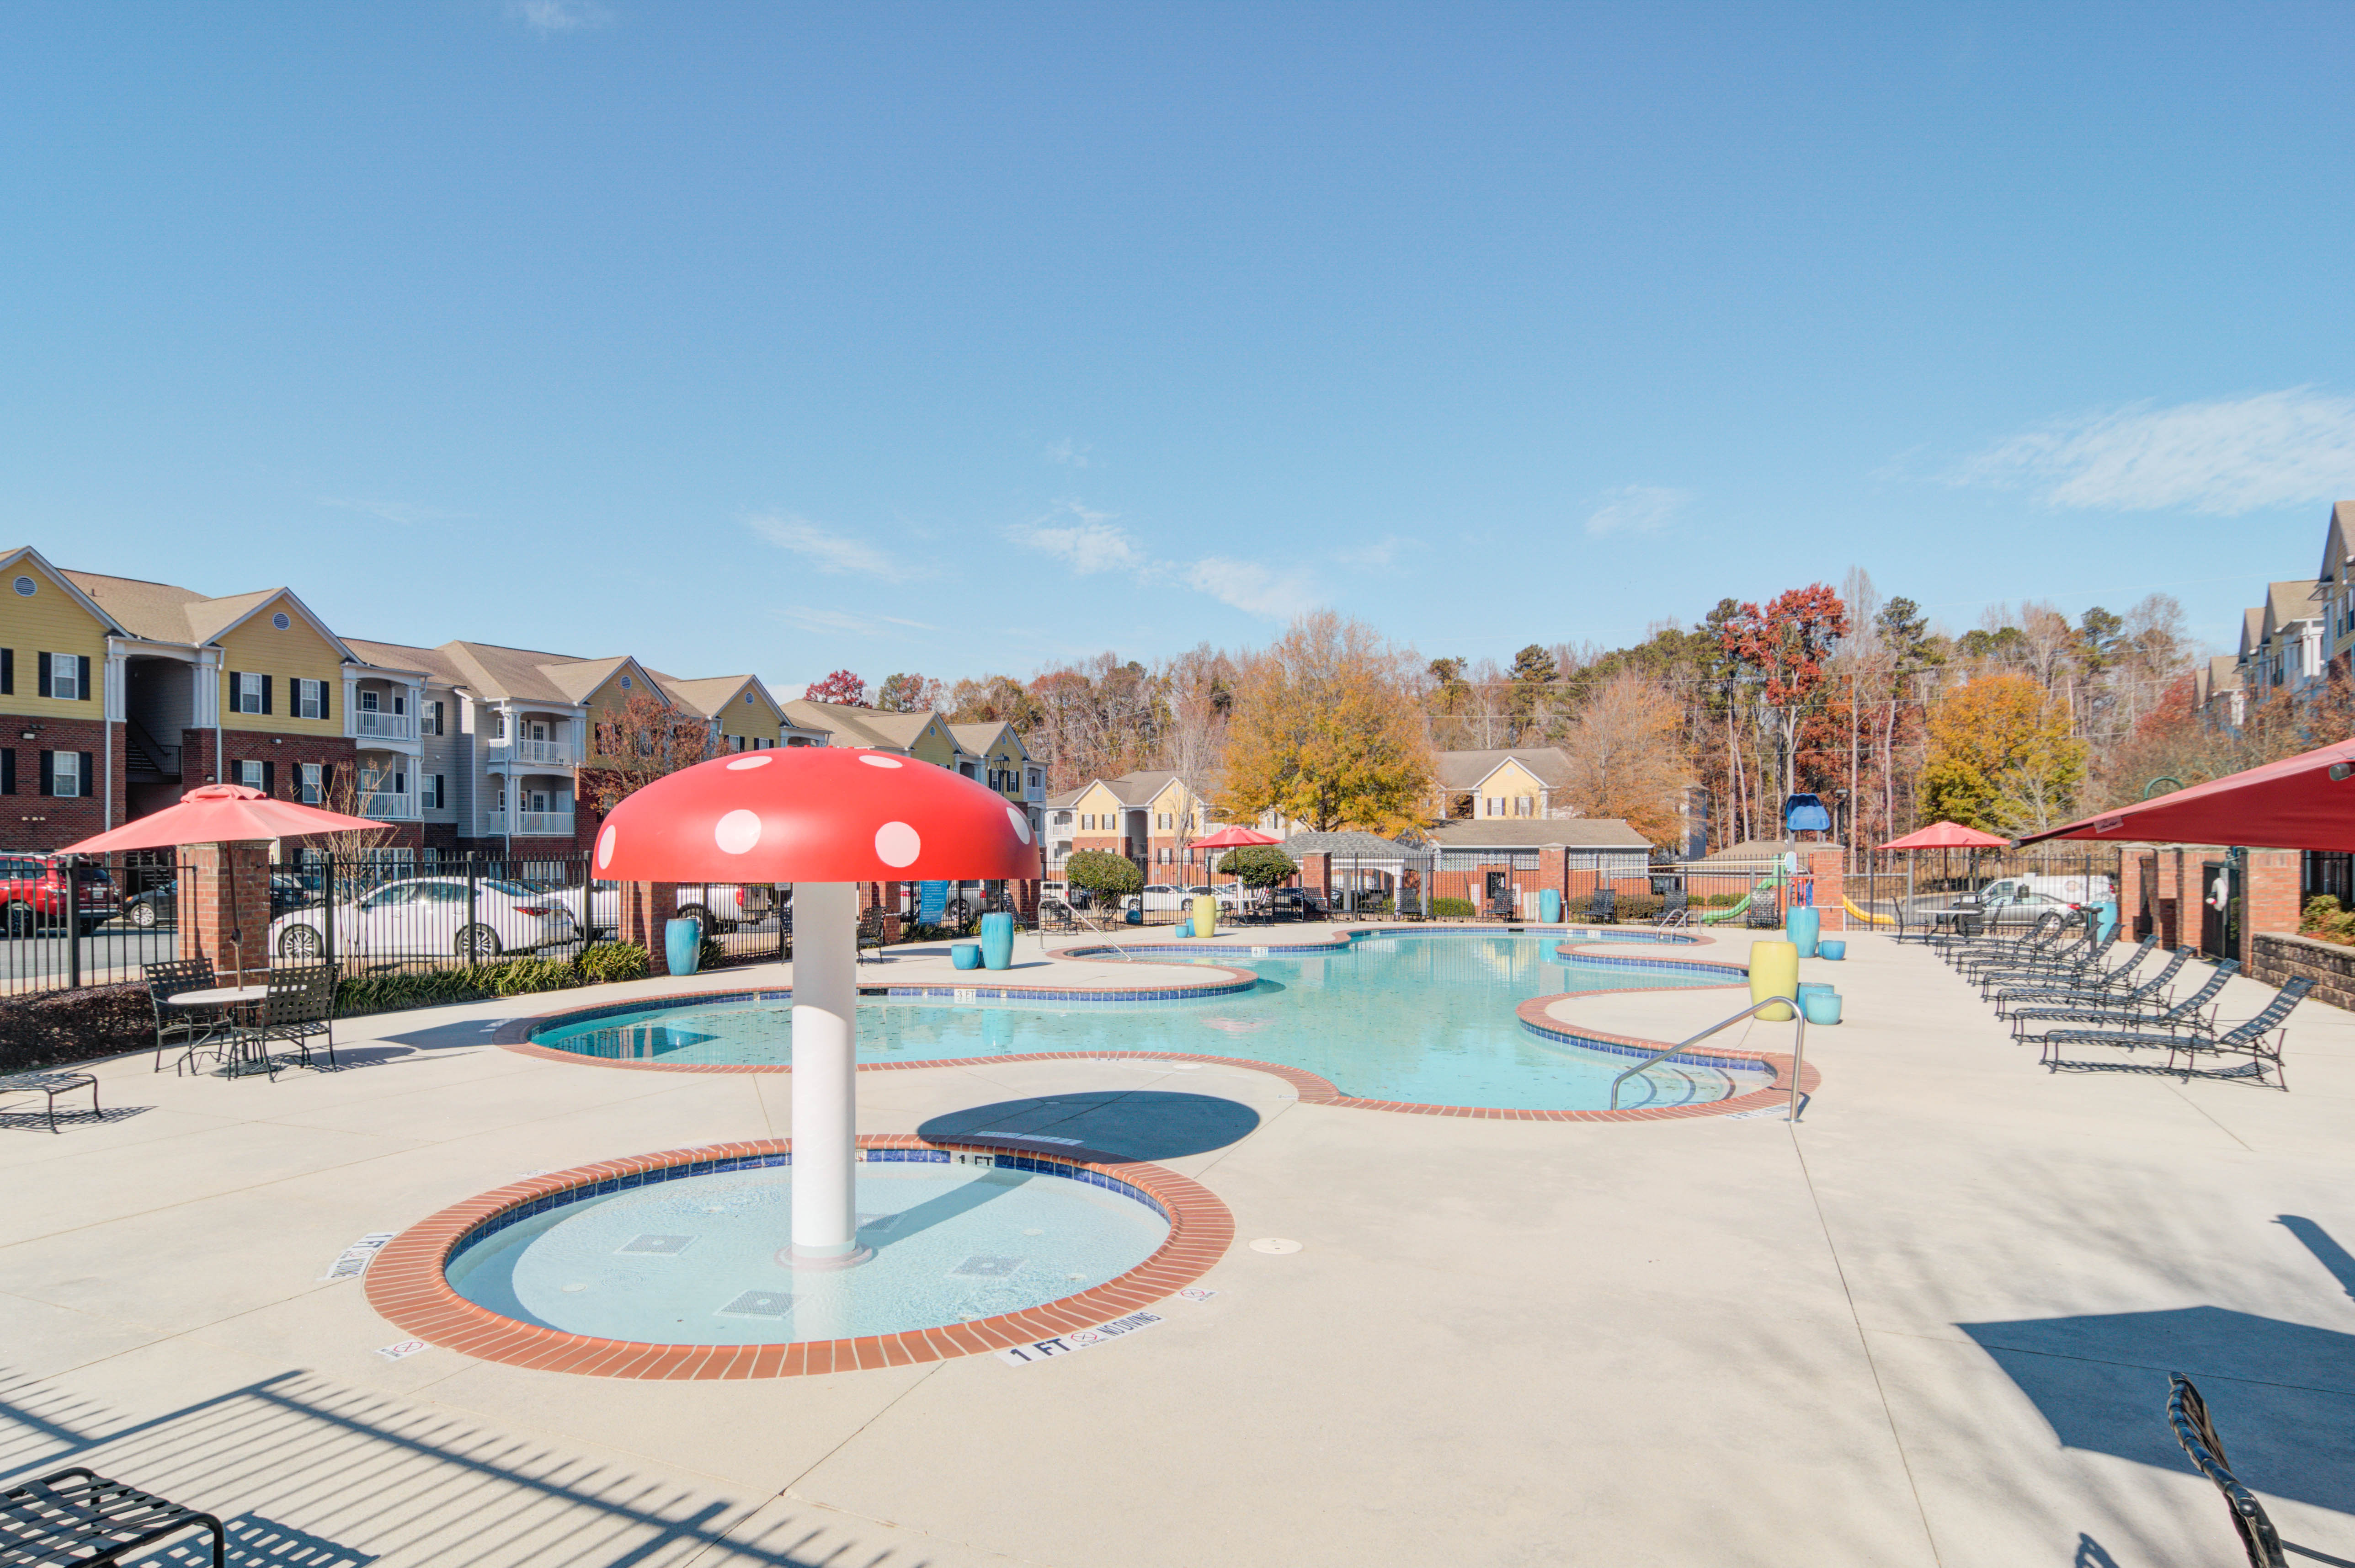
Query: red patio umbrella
x=1236, y=838
x=2306, y=801
x=1947, y=835
x=221, y=813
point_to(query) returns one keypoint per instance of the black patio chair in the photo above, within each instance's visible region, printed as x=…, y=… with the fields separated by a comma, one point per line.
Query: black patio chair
x=1604, y=908
x=2062, y=1001
x=2260, y=1039
x=78, y=1517
x=1766, y=912
x=1675, y=908
x=298, y=1008
x=184, y=1028
x=51, y=1085
x=2186, y=1413
x=870, y=934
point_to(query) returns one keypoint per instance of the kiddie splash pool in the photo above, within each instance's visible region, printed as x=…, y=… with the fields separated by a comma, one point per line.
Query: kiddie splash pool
x=1427, y=1019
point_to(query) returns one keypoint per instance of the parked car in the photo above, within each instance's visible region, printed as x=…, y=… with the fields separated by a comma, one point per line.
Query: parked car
x=419, y=917
x=33, y=896
x=159, y=906
x=2092, y=890
x=1229, y=894
x=1158, y=898
x=724, y=906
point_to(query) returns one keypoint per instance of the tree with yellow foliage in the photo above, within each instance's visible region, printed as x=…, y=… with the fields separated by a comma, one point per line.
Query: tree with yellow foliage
x=1328, y=729
x=2001, y=758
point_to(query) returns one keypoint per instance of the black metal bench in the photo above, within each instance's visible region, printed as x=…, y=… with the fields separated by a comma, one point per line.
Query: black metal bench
x=91, y=1521
x=53, y=1084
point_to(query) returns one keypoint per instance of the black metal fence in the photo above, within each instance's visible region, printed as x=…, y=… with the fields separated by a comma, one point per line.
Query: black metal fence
x=89, y=923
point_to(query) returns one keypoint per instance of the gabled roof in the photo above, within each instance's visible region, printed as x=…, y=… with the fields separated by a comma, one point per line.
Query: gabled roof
x=2252, y=632
x=578, y=679
x=1470, y=769
x=161, y=612
x=845, y=725
x=496, y=672
x=1766, y=849
x=2222, y=674
x=1539, y=833
x=2288, y=603
x=1140, y=787
x=66, y=580
x=979, y=738
x=403, y=659
x=707, y=697
x=2338, y=544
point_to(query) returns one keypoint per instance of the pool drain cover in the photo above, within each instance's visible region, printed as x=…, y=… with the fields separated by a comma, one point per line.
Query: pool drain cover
x=758, y=1304
x=878, y=1221
x=1274, y=1245
x=984, y=1265
x=660, y=1247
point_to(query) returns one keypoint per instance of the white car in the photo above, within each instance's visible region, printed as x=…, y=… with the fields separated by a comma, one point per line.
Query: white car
x=720, y=906
x=1157, y=898
x=420, y=917
x=1229, y=894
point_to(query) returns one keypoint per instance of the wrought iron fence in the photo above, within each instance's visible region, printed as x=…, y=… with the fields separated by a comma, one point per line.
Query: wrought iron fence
x=85, y=921
x=373, y=913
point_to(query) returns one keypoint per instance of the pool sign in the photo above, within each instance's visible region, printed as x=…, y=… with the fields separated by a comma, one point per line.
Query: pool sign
x=1081, y=1340
x=931, y=902
x=354, y=1259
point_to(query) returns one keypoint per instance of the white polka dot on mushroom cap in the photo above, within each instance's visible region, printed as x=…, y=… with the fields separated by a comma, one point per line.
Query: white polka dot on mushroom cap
x=736, y=832
x=872, y=760
x=755, y=760
x=605, y=848
x=896, y=843
x=1021, y=824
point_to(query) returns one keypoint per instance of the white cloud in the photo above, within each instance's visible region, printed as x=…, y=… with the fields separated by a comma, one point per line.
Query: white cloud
x=1375, y=557
x=817, y=619
x=561, y=15
x=831, y=553
x=2222, y=457
x=1636, y=509
x=1069, y=452
x=1088, y=543
x=1253, y=587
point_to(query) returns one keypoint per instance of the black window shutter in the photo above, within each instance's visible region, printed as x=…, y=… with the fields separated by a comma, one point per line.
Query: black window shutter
x=265, y=694
x=7, y=672
x=48, y=771
x=323, y=700
x=89, y=779
x=8, y=770
x=269, y=774
x=328, y=784
x=43, y=688
x=82, y=678
x=236, y=684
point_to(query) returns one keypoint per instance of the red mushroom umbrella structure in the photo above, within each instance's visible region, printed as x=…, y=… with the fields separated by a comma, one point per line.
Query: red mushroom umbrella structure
x=824, y=818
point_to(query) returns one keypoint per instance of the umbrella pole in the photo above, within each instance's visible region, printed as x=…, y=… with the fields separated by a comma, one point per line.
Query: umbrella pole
x=236, y=930
x=824, y=1081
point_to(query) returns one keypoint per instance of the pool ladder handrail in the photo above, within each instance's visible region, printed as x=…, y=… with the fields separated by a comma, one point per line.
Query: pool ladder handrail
x=1798, y=1046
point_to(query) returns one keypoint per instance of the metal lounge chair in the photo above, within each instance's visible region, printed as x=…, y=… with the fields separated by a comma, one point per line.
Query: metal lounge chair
x=2060, y=1001
x=2186, y=1413
x=2188, y=1013
x=79, y=1517
x=2260, y=1039
x=2073, y=956
x=2094, y=975
x=1961, y=951
x=2234, y=1041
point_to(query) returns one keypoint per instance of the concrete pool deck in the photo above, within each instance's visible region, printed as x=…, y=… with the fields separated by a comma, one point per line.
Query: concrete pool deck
x=1931, y=1324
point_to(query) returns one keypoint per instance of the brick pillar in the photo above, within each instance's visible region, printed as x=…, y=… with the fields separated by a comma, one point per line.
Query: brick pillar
x=648, y=908
x=2130, y=893
x=1316, y=875
x=2269, y=898
x=2169, y=898
x=213, y=925
x=1831, y=888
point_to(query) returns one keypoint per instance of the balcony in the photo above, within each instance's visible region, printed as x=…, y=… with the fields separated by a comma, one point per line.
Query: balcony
x=376, y=724
x=385, y=805
x=532, y=754
x=493, y=823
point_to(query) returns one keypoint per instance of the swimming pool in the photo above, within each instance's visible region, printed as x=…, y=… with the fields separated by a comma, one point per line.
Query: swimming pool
x=1422, y=1019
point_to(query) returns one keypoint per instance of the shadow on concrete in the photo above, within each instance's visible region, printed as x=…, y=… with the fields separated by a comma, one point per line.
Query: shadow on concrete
x=255, y=1542
x=442, y=1037
x=37, y=1121
x=2282, y=1393
x=1139, y=1123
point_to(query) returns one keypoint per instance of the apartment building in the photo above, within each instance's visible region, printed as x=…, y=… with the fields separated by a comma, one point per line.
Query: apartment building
x=1147, y=814
x=925, y=735
x=995, y=754
x=1520, y=782
x=63, y=770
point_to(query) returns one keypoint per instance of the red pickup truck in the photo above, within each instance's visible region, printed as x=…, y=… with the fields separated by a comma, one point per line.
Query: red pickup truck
x=33, y=896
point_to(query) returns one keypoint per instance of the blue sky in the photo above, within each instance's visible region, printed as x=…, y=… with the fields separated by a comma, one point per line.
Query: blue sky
x=974, y=337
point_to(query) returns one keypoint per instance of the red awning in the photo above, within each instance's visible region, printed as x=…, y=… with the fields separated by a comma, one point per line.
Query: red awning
x=1947, y=835
x=2295, y=804
x=220, y=813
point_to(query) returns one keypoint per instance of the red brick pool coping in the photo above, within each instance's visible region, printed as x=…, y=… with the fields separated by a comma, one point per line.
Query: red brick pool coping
x=406, y=1283
x=1313, y=1089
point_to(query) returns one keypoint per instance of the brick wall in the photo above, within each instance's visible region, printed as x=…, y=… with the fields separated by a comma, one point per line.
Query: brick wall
x=30, y=820
x=244, y=746
x=1831, y=888
x=2270, y=899
x=2277, y=957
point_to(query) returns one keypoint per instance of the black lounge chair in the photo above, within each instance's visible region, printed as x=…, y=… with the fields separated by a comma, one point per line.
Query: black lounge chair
x=2186, y=1413
x=2092, y=976
x=2246, y=1038
x=2068, y=959
x=2189, y=1013
x=2057, y=1002
x=1963, y=951
x=78, y=1517
x=53, y=1084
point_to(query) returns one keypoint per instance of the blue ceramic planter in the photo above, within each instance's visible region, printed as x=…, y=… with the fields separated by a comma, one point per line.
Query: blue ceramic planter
x=997, y=941
x=683, y=945
x=1550, y=906
x=1803, y=926
x=965, y=954
x=1832, y=947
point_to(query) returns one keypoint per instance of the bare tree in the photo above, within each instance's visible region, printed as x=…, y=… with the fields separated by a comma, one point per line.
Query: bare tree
x=1627, y=756
x=642, y=740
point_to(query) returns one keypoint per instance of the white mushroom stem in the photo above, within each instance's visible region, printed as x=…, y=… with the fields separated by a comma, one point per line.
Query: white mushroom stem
x=826, y=1074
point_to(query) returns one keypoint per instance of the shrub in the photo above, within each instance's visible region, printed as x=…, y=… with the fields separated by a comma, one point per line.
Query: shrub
x=1452, y=908
x=710, y=955
x=1259, y=866
x=1640, y=906
x=56, y=1026
x=1104, y=873
x=2324, y=920
x=608, y=962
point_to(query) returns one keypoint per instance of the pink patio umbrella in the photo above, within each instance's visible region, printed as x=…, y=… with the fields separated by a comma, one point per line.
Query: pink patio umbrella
x=221, y=813
x=824, y=818
x=1236, y=838
x=1942, y=835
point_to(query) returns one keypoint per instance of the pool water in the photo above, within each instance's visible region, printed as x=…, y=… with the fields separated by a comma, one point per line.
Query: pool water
x=693, y=1262
x=1423, y=1020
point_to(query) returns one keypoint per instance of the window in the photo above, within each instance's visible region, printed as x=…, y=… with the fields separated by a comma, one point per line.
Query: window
x=309, y=700
x=1034, y=778
x=1161, y=820
x=64, y=677
x=1165, y=856
x=433, y=718
x=625, y=683
x=280, y=620
x=502, y=731
x=310, y=775
x=502, y=797
x=369, y=702
x=246, y=697
x=1524, y=806
x=1496, y=805
x=431, y=800
x=250, y=774
x=66, y=779
x=26, y=588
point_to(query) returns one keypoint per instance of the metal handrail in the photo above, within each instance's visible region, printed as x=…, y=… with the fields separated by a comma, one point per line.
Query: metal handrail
x=1798, y=1046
